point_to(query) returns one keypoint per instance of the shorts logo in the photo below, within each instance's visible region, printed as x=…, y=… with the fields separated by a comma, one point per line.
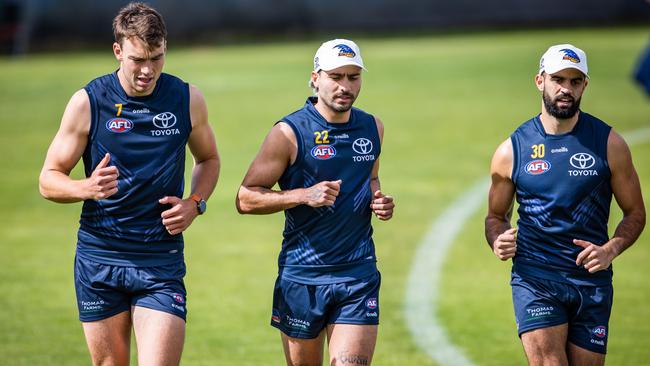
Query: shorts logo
x=275, y=317
x=362, y=146
x=164, y=120
x=600, y=331
x=92, y=306
x=323, y=152
x=371, y=303
x=537, y=167
x=540, y=312
x=119, y=125
x=178, y=298
x=298, y=323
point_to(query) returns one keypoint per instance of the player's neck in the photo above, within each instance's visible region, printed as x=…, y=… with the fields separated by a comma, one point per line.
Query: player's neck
x=557, y=126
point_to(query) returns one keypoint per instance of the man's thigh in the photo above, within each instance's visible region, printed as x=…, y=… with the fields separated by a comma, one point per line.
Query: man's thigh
x=352, y=325
x=109, y=339
x=546, y=346
x=351, y=344
x=579, y=356
x=159, y=336
x=303, y=351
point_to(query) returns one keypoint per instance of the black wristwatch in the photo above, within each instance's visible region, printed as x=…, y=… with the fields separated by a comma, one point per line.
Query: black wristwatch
x=201, y=205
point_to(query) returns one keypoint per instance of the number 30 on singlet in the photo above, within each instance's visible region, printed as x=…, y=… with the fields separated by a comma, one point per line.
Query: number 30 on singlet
x=538, y=151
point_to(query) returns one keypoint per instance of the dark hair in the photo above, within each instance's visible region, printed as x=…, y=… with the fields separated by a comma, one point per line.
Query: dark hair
x=142, y=21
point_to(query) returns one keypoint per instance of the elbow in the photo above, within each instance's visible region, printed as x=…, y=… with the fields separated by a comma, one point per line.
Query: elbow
x=643, y=219
x=241, y=203
x=45, y=193
x=243, y=210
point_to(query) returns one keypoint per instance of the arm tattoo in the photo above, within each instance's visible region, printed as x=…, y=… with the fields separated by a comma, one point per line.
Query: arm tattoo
x=315, y=193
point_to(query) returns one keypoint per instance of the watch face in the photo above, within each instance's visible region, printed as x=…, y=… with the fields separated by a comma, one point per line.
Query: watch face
x=202, y=206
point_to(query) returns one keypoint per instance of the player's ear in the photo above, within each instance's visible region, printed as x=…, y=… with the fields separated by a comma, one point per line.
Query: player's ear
x=314, y=78
x=117, y=51
x=539, y=81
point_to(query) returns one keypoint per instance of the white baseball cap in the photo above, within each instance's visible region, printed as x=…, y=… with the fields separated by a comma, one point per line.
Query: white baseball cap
x=563, y=56
x=336, y=53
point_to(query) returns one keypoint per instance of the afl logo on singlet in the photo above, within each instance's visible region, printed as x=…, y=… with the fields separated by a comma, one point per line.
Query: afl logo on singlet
x=323, y=152
x=119, y=125
x=537, y=167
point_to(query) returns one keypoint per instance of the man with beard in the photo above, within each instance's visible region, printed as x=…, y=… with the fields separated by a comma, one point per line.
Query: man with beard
x=325, y=158
x=564, y=166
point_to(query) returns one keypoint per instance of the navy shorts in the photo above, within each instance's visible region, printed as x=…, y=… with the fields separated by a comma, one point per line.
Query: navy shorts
x=105, y=290
x=541, y=303
x=302, y=311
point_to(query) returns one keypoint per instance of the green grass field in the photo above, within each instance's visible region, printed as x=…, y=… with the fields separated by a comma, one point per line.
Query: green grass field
x=447, y=102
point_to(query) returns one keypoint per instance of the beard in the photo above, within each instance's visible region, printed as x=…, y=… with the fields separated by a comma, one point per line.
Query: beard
x=340, y=108
x=560, y=112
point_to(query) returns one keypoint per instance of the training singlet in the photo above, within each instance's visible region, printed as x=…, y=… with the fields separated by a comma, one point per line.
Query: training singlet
x=564, y=193
x=146, y=138
x=330, y=244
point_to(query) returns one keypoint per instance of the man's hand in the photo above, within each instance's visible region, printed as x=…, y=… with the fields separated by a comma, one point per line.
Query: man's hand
x=593, y=257
x=505, y=246
x=102, y=183
x=323, y=193
x=180, y=216
x=382, y=206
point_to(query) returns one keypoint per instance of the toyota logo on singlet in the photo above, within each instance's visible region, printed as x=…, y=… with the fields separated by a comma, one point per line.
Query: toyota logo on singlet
x=362, y=146
x=164, y=120
x=582, y=161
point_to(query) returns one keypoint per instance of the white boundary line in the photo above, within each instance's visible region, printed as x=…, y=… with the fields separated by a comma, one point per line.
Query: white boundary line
x=420, y=308
x=423, y=282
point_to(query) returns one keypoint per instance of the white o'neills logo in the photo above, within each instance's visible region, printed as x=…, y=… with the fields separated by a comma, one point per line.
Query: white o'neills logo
x=362, y=145
x=582, y=161
x=165, y=121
